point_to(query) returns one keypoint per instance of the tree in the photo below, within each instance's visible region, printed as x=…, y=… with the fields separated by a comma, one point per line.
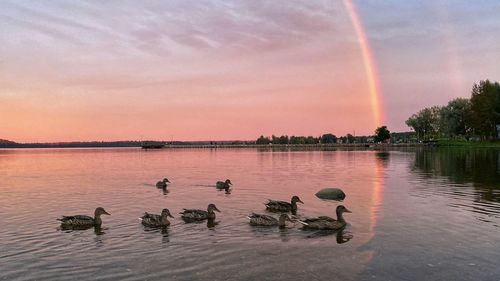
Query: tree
x=426, y=122
x=350, y=138
x=275, y=139
x=283, y=140
x=455, y=118
x=297, y=140
x=328, y=138
x=312, y=140
x=485, y=108
x=263, y=140
x=382, y=134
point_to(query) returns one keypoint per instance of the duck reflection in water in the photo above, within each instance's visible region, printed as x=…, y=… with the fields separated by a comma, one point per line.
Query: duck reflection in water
x=161, y=229
x=98, y=230
x=211, y=223
x=342, y=236
x=165, y=235
x=227, y=191
x=164, y=190
x=164, y=230
x=383, y=157
x=265, y=225
x=284, y=234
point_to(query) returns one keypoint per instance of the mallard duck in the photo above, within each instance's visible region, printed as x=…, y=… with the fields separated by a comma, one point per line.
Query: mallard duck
x=153, y=220
x=265, y=220
x=163, y=183
x=223, y=184
x=327, y=223
x=282, y=206
x=82, y=221
x=197, y=215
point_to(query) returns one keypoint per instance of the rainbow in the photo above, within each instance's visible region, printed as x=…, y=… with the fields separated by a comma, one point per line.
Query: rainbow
x=369, y=64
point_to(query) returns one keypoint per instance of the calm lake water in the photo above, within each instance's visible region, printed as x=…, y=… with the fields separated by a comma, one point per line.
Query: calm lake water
x=416, y=214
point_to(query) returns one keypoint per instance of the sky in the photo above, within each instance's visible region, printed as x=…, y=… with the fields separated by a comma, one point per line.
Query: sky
x=227, y=70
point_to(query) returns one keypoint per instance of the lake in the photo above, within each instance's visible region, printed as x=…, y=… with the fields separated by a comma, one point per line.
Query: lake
x=417, y=214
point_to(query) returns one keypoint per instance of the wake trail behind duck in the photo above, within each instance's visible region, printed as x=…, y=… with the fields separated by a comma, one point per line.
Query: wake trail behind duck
x=205, y=185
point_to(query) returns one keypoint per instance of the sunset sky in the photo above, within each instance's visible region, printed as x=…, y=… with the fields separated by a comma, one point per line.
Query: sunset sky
x=213, y=70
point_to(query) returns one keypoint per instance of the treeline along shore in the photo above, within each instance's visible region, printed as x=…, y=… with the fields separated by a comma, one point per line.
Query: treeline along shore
x=239, y=144
x=220, y=144
x=355, y=142
x=77, y=144
x=326, y=140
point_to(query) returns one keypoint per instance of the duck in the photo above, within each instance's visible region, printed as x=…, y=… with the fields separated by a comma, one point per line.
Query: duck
x=223, y=184
x=153, y=220
x=282, y=206
x=83, y=221
x=163, y=183
x=327, y=223
x=266, y=220
x=199, y=215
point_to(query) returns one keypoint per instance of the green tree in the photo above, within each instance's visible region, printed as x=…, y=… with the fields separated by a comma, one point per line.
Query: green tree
x=426, y=122
x=275, y=139
x=312, y=140
x=297, y=140
x=283, y=140
x=454, y=118
x=263, y=140
x=382, y=134
x=485, y=108
x=328, y=138
x=350, y=138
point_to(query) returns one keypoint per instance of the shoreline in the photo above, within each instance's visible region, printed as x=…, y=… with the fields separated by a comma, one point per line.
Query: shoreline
x=258, y=146
x=335, y=145
x=439, y=144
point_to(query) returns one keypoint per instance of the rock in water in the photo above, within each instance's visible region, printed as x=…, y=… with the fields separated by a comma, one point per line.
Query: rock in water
x=331, y=194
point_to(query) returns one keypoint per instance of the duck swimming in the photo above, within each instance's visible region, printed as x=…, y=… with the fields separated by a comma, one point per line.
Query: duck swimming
x=198, y=215
x=327, y=223
x=282, y=206
x=265, y=220
x=82, y=221
x=223, y=184
x=163, y=183
x=152, y=220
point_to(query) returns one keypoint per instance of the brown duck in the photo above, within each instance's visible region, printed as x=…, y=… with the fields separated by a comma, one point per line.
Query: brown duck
x=153, y=220
x=327, y=223
x=199, y=215
x=162, y=183
x=82, y=221
x=266, y=220
x=282, y=206
x=223, y=184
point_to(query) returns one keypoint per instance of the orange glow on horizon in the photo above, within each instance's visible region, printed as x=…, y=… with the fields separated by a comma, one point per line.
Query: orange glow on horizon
x=369, y=64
